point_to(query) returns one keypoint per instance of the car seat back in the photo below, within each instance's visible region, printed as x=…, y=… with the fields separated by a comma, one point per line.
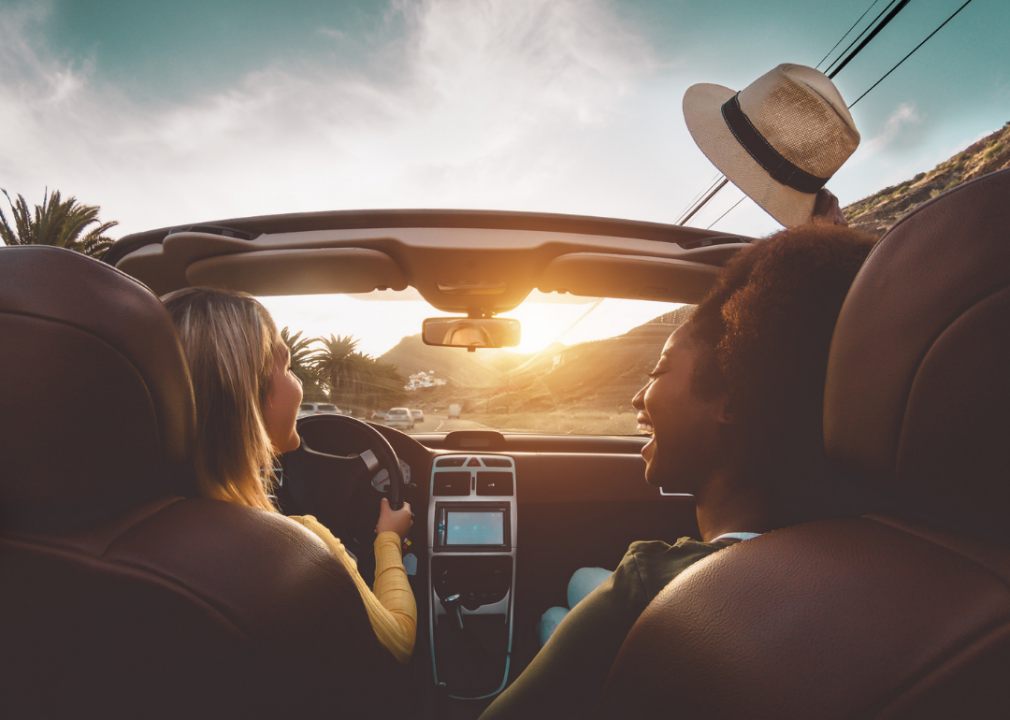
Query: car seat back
x=123, y=595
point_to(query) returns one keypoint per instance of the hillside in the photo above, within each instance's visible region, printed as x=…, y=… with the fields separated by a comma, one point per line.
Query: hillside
x=599, y=375
x=876, y=213
x=602, y=375
x=483, y=368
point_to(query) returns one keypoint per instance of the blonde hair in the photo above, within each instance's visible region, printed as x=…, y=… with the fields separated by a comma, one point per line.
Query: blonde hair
x=230, y=342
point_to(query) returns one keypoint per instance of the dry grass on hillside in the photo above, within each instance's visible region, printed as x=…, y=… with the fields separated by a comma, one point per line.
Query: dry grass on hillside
x=878, y=212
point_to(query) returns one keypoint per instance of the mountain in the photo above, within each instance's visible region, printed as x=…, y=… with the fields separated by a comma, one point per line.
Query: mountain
x=598, y=375
x=480, y=369
x=876, y=213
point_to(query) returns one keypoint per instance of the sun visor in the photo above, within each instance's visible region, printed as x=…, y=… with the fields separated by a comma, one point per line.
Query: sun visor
x=628, y=276
x=299, y=272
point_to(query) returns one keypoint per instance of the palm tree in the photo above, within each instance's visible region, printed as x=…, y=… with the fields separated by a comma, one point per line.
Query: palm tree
x=387, y=385
x=56, y=222
x=301, y=354
x=302, y=358
x=354, y=378
x=337, y=367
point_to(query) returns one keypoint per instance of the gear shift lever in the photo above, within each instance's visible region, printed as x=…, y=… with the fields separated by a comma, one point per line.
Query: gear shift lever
x=452, y=606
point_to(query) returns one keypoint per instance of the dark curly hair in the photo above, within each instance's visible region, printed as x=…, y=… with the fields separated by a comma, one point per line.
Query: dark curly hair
x=764, y=331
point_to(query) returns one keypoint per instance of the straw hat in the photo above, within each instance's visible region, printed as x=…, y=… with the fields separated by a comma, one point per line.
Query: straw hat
x=780, y=139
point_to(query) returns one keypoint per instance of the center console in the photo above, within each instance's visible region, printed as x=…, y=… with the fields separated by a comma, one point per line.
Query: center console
x=472, y=555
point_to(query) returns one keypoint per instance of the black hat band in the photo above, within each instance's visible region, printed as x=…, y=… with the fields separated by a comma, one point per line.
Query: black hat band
x=780, y=169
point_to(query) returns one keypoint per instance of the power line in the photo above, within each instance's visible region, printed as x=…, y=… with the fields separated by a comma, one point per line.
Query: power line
x=910, y=54
x=699, y=199
x=859, y=37
x=699, y=205
x=726, y=213
x=901, y=6
x=708, y=188
x=846, y=33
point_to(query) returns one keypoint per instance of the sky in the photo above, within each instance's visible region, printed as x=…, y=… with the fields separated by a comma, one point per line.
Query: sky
x=173, y=113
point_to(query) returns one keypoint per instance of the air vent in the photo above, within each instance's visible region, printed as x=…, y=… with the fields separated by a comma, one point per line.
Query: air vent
x=452, y=483
x=494, y=483
x=497, y=462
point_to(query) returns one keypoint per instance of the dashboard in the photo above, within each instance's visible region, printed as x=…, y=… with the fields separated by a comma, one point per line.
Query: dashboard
x=501, y=522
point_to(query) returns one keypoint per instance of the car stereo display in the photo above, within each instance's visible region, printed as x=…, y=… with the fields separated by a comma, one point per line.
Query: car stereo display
x=474, y=527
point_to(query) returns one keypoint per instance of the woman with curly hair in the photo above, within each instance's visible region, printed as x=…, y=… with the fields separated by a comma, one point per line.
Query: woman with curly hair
x=734, y=407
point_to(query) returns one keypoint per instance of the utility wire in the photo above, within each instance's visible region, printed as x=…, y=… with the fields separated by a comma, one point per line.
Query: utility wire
x=859, y=37
x=726, y=213
x=900, y=6
x=910, y=54
x=691, y=212
x=846, y=33
x=708, y=188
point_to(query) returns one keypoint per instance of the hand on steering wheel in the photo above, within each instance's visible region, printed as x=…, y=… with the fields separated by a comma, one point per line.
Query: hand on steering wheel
x=398, y=521
x=330, y=476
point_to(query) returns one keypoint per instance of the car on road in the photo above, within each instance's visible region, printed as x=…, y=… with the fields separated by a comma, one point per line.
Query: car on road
x=418, y=416
x=400, y=417
x=311, y=408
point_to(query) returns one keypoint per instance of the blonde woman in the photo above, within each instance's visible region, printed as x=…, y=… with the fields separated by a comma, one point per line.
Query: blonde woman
x=247, y=402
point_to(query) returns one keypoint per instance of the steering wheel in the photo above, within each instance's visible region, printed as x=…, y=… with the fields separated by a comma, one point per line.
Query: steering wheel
x=331, y=476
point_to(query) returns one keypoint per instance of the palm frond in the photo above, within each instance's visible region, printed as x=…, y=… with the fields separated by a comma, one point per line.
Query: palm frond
x=22, y=232
x=57, y=222
x=302, y=356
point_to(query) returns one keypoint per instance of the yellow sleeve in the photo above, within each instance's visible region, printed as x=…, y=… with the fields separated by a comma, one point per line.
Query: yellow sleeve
x=391, y=608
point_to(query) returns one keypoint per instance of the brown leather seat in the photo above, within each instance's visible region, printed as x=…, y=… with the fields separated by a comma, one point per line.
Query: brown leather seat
x=121, y=595
x=898, y=615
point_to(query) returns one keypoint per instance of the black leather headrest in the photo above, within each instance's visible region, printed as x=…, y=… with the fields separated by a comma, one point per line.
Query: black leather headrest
x=96, y=404
x=917, y=398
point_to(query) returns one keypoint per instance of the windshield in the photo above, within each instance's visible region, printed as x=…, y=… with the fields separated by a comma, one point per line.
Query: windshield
x=575, y=371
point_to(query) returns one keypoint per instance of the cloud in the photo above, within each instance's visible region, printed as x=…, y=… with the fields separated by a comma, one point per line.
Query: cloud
x=466, y=103
x=331, y=33
x=896, y=129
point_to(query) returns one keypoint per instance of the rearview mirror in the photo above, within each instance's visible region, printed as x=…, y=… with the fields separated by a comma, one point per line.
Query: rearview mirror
x=471, y=333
